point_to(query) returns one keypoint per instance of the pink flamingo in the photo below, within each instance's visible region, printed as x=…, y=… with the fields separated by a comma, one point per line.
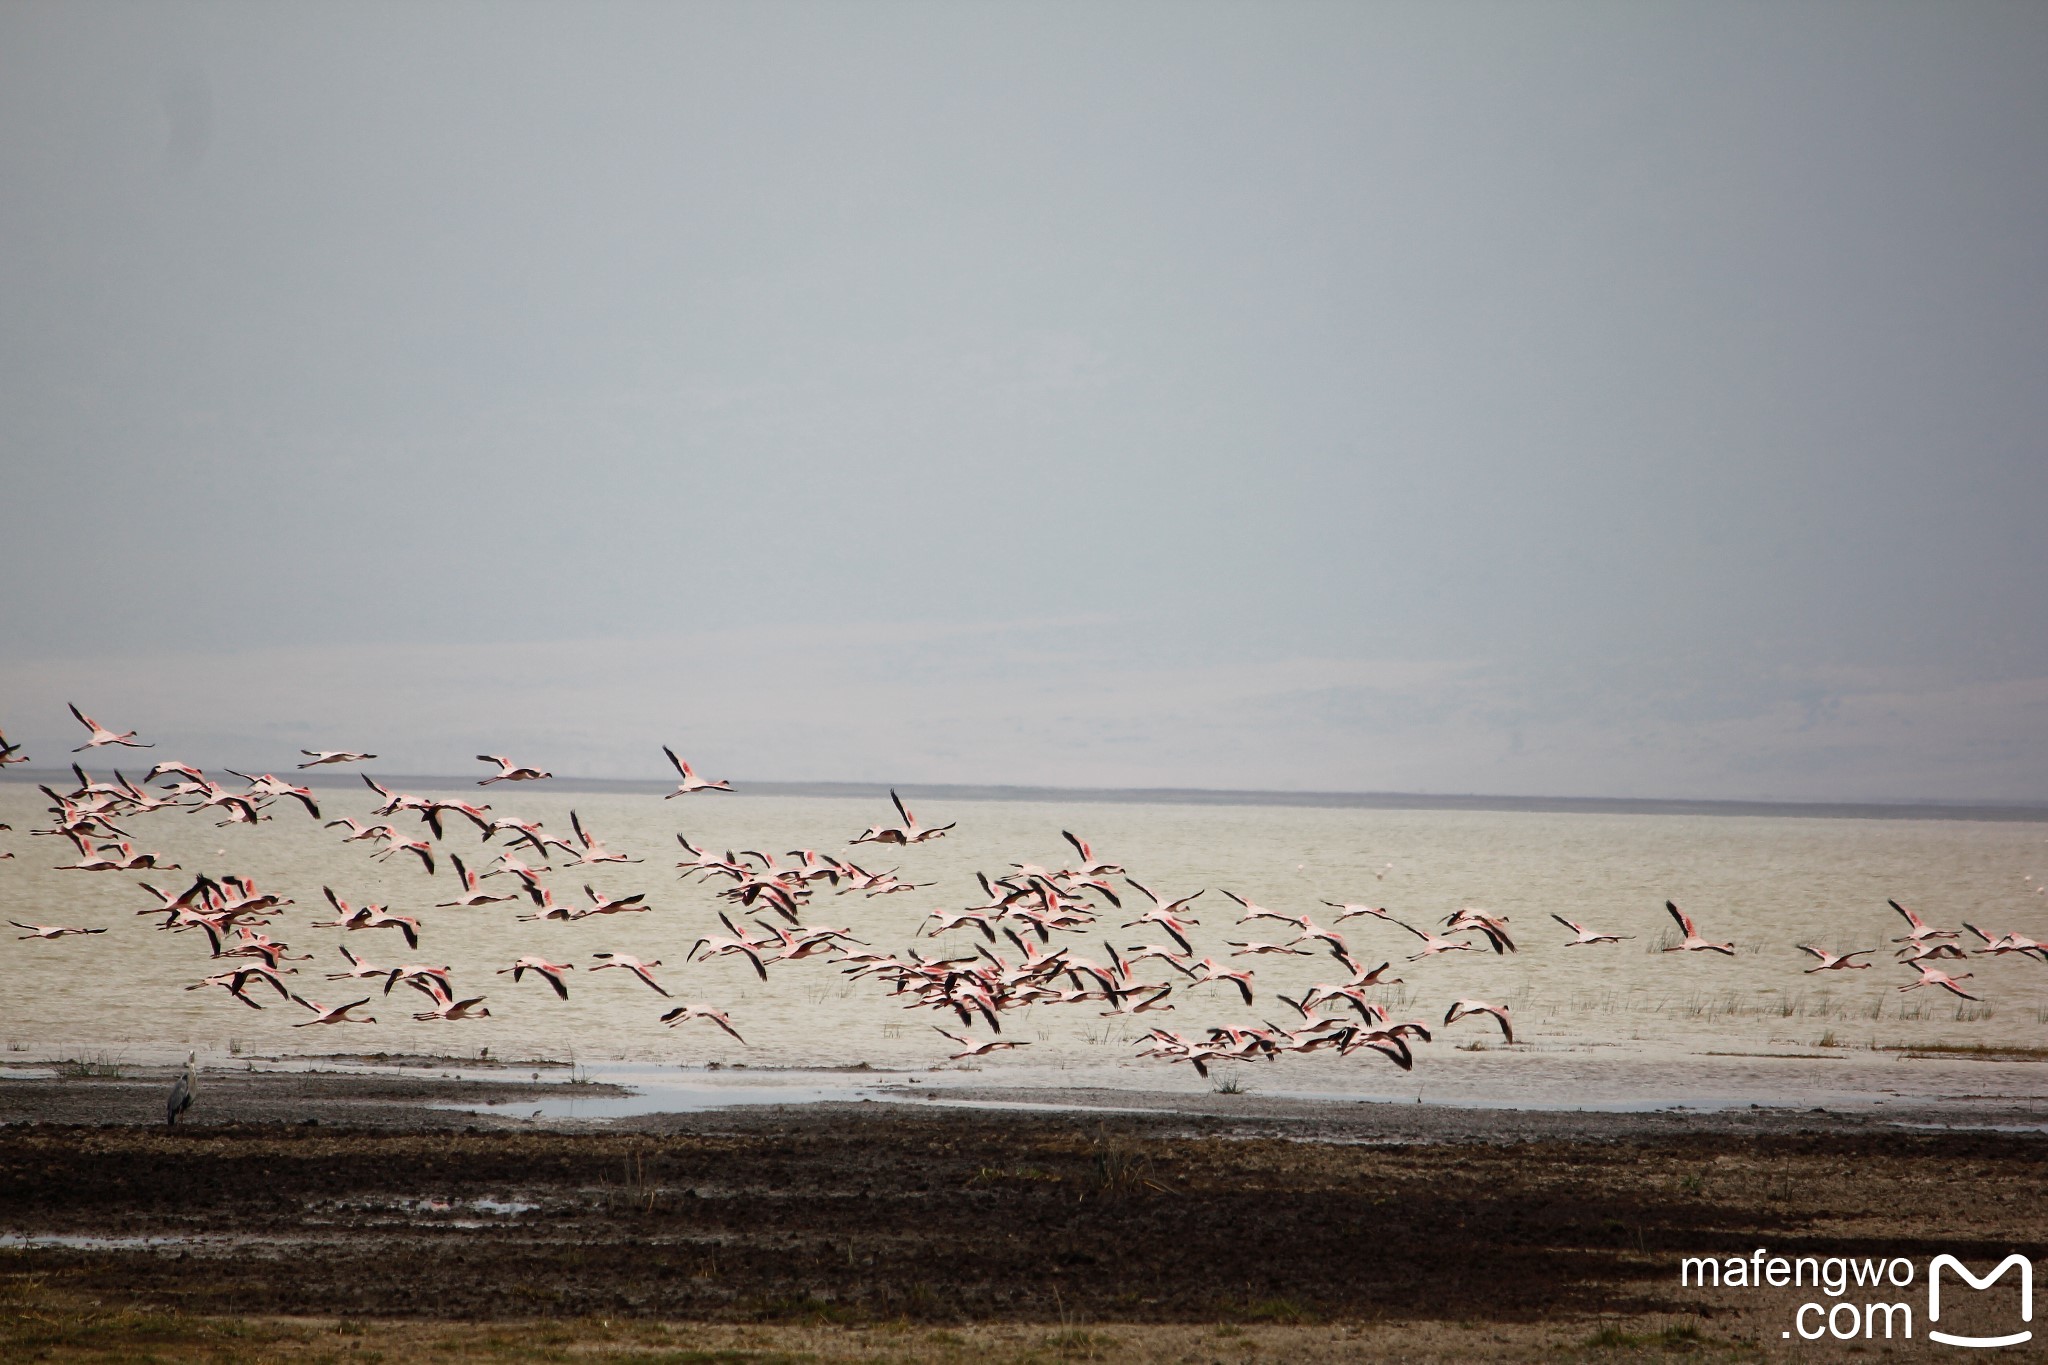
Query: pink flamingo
x=1928, y=952
x=1586, y=937
x=683, y=1014
x=691, y=782
x=544, y=897
x=600, y=904
x=1432, y=944
x=1208, y=971
x=643, y=970
x=942, y=921
x=593, y=850
x=970, y=1048
x=1091, y=866
x=1835, y=962
x=269, y=784
x=2008, y=943
x=472, y=894
x=1166, y=914
x=421, y=977
x=1257, y=949
x=49, y=930
x=1919, y=931
x=1693, y=942
x=1461, y=1008
x=1494, y=927
x=749, y=948
x=336, y=1014
x=1929, y=976
x=431, y=812
x=236, y=982
x=320, y=756
x=419, y=848
x=550, y=972
x=102, y=735
x=1253, y=911
x=508, y=771
x=909, y=832
x=131, y=861
x=91, y=859
x=368, y=917
x=448, y=1008
x=359, y=969
x=1351, y=911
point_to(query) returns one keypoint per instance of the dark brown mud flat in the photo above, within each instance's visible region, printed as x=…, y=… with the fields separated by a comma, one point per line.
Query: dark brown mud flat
x=869, y=1213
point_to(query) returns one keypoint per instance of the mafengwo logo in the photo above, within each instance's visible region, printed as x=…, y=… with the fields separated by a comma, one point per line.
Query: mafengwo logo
x=1858, y=1317
x=1934, y=1269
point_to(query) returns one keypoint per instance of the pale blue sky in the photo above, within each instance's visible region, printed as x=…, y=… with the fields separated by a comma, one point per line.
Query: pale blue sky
x=1539, y=398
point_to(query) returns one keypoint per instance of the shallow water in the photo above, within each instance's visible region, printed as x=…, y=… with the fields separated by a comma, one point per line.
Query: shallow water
x=645, y=1088
x=1630, y=1010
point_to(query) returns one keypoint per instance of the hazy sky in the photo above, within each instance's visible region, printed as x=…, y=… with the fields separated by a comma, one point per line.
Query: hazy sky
x=1539, y=398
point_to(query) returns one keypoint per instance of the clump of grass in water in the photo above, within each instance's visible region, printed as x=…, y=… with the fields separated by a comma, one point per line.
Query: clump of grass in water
x=1229, y=1085
x=1118, y=1171
x=98, y=1066
x=1828, y=1039
x=578, y=1075
x=639, y=1191
x=1121, y=1167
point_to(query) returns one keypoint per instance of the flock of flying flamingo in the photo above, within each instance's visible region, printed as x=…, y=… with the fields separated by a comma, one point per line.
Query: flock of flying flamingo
x=1013, y=965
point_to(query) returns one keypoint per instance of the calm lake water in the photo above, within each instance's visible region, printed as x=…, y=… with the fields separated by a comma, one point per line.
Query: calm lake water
x=1767, y=883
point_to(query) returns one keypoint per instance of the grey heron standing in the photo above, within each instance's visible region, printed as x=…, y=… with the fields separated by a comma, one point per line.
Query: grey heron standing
x=183, y=1091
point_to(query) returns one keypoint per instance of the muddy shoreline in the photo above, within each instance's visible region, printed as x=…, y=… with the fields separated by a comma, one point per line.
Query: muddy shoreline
x=352, y=1196
x=396, y=1092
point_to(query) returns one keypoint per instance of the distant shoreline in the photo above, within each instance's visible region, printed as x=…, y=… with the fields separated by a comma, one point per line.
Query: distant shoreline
x=2010, y=812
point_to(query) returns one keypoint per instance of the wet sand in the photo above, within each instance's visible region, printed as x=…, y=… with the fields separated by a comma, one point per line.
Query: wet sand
x=352, y=1197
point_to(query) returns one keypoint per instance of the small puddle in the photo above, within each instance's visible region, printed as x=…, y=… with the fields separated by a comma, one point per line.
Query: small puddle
x=502, y=1208
x=75, y=1241
x=938, y=1099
